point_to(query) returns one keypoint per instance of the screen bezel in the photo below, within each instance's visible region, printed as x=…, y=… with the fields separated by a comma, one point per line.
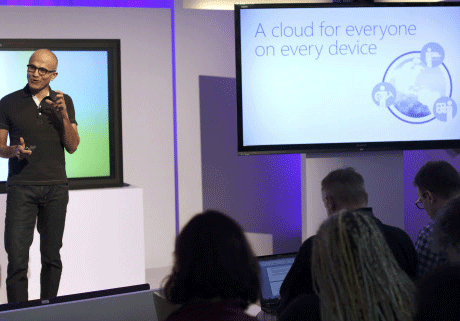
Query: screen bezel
x=328, y=147
x=112, y=47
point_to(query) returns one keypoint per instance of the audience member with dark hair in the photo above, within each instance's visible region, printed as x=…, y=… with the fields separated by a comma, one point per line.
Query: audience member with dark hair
x=447, y=230
x=438, y=295
x=355, y=274
x=215, y=275
x=437, y=182
x=343, y=189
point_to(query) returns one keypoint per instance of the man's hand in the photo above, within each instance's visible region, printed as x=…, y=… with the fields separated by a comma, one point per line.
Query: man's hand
x=69, y=136
x=21, y=152
x=58, y=104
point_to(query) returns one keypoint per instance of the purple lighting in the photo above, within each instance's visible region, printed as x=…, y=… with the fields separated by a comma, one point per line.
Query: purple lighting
x=92, y=3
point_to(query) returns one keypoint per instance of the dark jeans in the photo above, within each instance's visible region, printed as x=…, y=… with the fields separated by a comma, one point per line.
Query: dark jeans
x=25, y=205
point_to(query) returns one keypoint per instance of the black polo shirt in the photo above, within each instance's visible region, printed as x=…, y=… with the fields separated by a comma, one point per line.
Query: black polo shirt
x=22, y=118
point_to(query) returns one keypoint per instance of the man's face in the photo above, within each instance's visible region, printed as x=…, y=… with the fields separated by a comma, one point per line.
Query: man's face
x=36, y=81
x=328, y=203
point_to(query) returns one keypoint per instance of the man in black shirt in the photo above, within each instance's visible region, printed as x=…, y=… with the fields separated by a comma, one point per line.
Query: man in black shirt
x=343, y=189
x=41, y=124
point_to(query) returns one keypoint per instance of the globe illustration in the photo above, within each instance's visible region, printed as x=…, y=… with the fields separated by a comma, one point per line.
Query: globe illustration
x=417, y=87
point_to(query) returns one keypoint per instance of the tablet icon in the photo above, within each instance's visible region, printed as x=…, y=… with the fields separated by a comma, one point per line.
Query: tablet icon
x=445, y=109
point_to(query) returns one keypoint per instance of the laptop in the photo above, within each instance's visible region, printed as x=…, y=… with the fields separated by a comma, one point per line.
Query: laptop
x=273, y=270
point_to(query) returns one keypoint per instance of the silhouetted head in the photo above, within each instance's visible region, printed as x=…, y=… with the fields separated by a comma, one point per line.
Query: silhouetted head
x=447, y=229
x=343, y=189
x=213, y=260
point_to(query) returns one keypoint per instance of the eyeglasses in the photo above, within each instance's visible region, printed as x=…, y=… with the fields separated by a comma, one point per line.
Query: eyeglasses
x=419, y=202
x=41, y=71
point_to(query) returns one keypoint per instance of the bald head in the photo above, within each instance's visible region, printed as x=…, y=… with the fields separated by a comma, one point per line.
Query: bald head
x=40, y=71
x=46, y=56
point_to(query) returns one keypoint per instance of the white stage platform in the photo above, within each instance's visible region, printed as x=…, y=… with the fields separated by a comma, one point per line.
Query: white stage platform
x=103, y=244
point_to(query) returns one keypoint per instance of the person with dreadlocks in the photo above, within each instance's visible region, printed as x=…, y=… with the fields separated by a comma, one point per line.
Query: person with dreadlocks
x=355, y=274
x=343, y=189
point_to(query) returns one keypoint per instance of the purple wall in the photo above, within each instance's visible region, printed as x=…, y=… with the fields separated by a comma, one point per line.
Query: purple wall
x=92, y=3
x=263, y=192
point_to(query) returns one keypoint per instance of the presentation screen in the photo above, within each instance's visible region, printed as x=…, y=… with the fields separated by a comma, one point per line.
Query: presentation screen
x=347, y=77
x=89, y=72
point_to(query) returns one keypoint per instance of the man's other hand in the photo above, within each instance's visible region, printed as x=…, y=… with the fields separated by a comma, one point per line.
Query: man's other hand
x=21, y=152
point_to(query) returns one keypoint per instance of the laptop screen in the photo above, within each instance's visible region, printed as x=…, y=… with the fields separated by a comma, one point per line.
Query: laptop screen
x=274, y=269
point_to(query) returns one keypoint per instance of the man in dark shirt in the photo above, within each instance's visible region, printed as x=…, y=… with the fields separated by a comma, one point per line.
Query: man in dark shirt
x=343, y=189
x=41, y=124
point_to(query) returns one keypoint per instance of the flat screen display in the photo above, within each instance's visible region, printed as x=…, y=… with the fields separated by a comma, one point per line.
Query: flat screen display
x=89, y=72
x=347, y=77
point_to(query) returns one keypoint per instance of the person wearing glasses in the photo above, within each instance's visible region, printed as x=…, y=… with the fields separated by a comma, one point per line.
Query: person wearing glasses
x=40, y=123
x=437, y=182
